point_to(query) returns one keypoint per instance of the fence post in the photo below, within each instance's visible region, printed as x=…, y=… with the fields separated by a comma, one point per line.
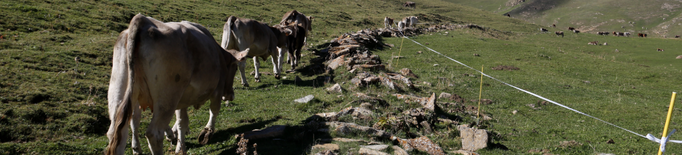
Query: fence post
x=661, y=148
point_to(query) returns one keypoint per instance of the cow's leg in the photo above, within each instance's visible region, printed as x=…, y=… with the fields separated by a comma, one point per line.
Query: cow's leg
x=277, y=60
x=242, y=66
x=208, y=131
x=160, y=119
x=181, y=116
x=256, y=64
x=134, y=126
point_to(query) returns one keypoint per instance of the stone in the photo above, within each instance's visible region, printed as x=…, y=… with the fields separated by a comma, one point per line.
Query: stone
x=331, y=147
x=348, y=140
x=367, y=105
x=473, y=139
x=342, y=130
x=336, y=88
x=336, y=62
x=375, y=147
x=399, y=151
x=464, y=152
x=326, y=152
x=366, y=151
x=305, y=99
x=444, y=95
x=430, y=103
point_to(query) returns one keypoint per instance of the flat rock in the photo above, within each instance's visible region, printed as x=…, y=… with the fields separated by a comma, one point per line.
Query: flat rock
x=348, y=140
x=366, y=151
x=444, y=95
x=399, y=151
x=305, y=99
x=376, y=147
x=331, y=147
x=269, y=132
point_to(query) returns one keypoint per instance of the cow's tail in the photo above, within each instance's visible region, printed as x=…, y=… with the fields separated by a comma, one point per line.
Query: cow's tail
x=227, y=33
x=125, y=109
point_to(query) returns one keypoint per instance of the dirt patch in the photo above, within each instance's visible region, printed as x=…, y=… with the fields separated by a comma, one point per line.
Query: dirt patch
x=502, y=67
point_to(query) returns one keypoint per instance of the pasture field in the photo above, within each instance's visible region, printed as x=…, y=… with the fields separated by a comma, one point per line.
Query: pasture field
x=55, y=64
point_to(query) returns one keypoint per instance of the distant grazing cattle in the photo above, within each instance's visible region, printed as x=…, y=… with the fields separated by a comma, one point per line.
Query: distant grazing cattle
x=603, y=33
x=507, y=14
x=640, y=34
x=627, y=34
x=553, y=25
x=660, y=50
x=593, y=43
x=388, y=22
x=559, y=33
x=262, y=40
x=410, y=4
x=576, y=31
x=166, y=67
x=543, y=30
x=645, y=35
x=571, y=28
x=618, y=33
x=677, y=36
x=605, y=44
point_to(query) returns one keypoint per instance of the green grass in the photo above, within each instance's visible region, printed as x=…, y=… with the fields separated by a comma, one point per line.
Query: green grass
x=52, y=104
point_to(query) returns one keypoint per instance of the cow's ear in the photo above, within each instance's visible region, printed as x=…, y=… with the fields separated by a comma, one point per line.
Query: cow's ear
x=241, y=55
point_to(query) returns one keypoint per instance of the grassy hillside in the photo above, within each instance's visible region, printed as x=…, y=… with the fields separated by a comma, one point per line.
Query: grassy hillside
x=656, y=18
x=55, y=64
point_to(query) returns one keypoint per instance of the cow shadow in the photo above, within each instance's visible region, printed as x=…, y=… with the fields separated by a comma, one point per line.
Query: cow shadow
x=296, y=139
x=226, y=134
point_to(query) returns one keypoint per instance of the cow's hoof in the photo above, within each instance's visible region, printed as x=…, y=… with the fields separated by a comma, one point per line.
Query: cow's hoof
x=205, y=135
x=277, y=76
x=137, y=150
x=258, y=80
x=245, y=85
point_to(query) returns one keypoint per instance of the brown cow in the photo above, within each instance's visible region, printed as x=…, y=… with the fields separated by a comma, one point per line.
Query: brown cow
x=677, y=36
x=166, y=67
x=553, y=25
x=295, y=42
x=660, y=50
x=561, y=33
x=640, y=34
x=410, y=4
x=571, y=28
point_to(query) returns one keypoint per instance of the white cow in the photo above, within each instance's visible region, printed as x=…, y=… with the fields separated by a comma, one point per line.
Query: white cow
x=410, y=21
x=166, y=67
x=262, y=40
x=388, y=22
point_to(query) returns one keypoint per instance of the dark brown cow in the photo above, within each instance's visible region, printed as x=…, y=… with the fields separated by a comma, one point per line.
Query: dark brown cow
x=660, y=50
x=640, y=34
x=677, y=36
x=543, y=30
x=561, y=33
x=410, y=4
x=553, y=25
x=571, y=28
x=295, y=43
x=603, y=33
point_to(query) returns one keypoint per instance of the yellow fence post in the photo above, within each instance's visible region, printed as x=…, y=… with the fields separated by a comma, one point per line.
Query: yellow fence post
x=480, y=91
x=667, y=122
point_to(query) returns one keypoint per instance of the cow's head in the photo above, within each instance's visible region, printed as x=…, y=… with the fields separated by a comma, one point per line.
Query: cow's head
x=233, y=59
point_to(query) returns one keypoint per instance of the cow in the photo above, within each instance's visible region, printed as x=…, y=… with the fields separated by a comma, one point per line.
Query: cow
x=619, y=33
x=410, y=4
x=605, y=44
x=388, y=22
x=507, y=14
x=593, y=43
x=262, y=40
x=543, y=30
x=561, y=33
x=626, y=34
x=640, y=34
x=295, y=43
x=660, y=50
x=677, y=36
x=645, y=35
x=299, y=19
x=166, y=67
x=410, y=21
x=603, y=33
x=553, y=25
x=576, y=31
x=571, y=28
x=401, y=25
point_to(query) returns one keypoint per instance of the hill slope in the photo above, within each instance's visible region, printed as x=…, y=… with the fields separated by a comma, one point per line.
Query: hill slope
x=655, y=17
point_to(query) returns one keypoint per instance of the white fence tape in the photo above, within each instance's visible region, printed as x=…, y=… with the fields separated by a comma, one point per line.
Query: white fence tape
x=649, y=136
